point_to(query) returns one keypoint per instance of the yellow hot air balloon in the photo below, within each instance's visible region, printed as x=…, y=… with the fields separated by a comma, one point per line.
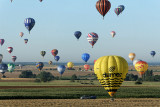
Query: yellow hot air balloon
x=141, y=67
x=70, y=65
x=50, y=62
x=132, y=56
x=111, y=72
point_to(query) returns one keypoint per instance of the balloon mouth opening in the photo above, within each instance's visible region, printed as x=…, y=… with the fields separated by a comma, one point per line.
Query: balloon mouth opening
x=111, y=93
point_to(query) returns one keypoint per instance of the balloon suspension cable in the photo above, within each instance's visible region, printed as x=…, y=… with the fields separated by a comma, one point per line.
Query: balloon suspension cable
x=103, y=17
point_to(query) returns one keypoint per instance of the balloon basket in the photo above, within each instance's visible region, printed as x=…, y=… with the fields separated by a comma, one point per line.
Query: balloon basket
x=112, y=99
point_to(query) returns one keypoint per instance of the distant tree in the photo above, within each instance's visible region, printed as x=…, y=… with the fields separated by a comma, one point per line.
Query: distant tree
x=27, y=74
x=45, y=76
x=73, y=78
x=157, y=78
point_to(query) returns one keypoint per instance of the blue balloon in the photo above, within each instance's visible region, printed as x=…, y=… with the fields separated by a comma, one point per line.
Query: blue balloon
x=3, y=68
x=85, y=57
x=29, y=23
x=39, y=65
x=153, y=53
x=61, y=69
x=77, y=34
x=57, y=58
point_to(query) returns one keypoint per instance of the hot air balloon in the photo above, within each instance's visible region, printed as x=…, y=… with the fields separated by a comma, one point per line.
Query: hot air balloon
x=1, y=57
x=111, y=72
x=92, y=38
x=132, y=56
x=14, y=58
x=21, y=34
x=40, y=0
x=135, y=61
x=54, y=52
x=1, y=41
x=10, y=49
x=50, y=62
x=61, y=69
x=11, y=1
x=85, y=57
x=20, y=65
x=121, y=7
x=3, y=68
x=39, y=65
x=70, y=65
x=29, y=23
x=103, y=7
x=77, y=34
x=57, y=58
x=11, y=67
x=25, y=41
x=117, y=11
x=113, y=33
x=153, y=53
x=141, y=67
x=43, y=53
x=86, y=67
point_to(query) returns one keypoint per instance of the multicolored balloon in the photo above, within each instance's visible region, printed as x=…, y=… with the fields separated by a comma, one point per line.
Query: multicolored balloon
x=11, y=67
x=61, y=69
x=14, y=58
x=113, y=33
x=25, y=41
x=70, y=65
x=39, y=65
x=85, y=57
x=153, y=53
x=121, y=7
x=77, y=34
x=111, y=72
x=21, y=34
x=50, y=62
x=103, y=6
x=54, y=52
x=10, y=49
x=132, y=56
x=43, y=53
x=92, y=38
x=117, y=11
x=135, y=61
x=57, y=58
x=29, y=23
x=141, y=67
x=1, y=41
x=86, y=67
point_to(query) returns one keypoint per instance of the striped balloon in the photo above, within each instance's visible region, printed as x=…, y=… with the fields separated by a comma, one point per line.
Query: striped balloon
x=92, y=38
x=103, y=7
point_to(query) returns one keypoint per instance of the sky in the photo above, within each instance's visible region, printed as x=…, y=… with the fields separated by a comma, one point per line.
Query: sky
x=137, y=29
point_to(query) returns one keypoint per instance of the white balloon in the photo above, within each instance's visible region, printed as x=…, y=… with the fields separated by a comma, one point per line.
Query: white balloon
x=135, y=61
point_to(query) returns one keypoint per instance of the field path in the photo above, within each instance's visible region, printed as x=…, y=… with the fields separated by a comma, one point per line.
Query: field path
x=131, y=102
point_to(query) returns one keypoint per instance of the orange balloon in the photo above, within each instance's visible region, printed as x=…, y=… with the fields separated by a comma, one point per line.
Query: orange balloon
x=86, y=67
x=132, y=56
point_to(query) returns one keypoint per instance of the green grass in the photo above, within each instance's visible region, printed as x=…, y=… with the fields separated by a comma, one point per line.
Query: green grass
x=68, y=83
x=76, y=93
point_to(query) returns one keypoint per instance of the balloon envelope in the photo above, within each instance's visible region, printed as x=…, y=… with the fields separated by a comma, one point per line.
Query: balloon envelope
x=29, y=23
x=3, y=68
x=86, y=67
x=21, y=34
x=141, y=67
x=92, y=38
x=113, y=33
x=77, y=34
x=43, y=53
x=61, y=69
x=25, y=41
x=135, y=61
x=1, y=57
x=11, y=67
x=153, y=53
x=132, y=56
x=85, y=57
x=50, y=62
x=111, y=72
x=10, y=49
x=54, y=52
x=1, y=41
x=70, y=65
x=57, y=58
x=103, y=6
x=14, y=58
x=39, y=65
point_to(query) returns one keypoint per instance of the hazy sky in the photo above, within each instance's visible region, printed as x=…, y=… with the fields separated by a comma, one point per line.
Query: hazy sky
x=137, y=29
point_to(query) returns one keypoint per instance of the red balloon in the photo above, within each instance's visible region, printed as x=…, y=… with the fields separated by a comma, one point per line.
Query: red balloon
x=9, y=49
x=103, y=7
x=54, y=52
x=86, y=67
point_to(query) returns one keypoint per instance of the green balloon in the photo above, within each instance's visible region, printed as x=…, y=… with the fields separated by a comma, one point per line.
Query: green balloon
x=11, y=67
